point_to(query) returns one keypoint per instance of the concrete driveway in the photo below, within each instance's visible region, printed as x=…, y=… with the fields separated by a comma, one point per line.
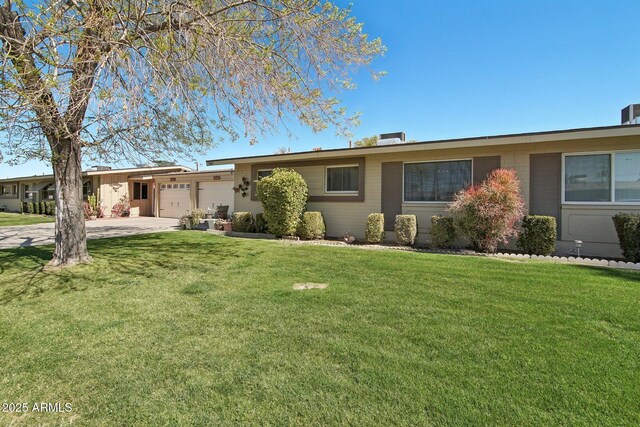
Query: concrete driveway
x=43, y=234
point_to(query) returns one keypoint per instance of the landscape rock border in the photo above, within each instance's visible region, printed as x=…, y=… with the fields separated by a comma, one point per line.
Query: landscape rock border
x=594, y=262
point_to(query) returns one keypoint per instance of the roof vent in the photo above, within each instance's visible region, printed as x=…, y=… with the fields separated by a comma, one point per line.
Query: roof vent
x=391, y=138
x=631, y=115
x=101, y=168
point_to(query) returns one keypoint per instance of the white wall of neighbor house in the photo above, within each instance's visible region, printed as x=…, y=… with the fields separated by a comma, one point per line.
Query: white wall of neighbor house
x=590, y=223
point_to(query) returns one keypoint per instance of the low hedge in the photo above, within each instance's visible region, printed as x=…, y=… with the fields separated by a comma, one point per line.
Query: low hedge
x=405, y=229
x=628, y=230
x=242, y=222
x=375, y=228
x=311, y=226
x=538, y=235
x=36, y=208
x=43, y=209
x=443, y=232
x=50, y=208
x=261, y=224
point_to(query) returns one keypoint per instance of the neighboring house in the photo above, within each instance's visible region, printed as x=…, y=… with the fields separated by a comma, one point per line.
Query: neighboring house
x=582, y=177
x=109, y=184
x=178, y=193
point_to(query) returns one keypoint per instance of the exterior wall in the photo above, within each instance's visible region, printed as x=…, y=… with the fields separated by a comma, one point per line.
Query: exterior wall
x=590, y=223
x=112, y=187
x=193, y=179
x=10, y=202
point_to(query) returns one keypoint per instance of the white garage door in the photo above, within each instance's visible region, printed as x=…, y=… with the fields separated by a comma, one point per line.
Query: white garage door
x=212, y=194
x=175, y=200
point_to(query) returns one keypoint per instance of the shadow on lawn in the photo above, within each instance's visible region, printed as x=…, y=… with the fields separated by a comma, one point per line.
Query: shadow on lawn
x=630, y=275
x=34, y=260
x=119, y=261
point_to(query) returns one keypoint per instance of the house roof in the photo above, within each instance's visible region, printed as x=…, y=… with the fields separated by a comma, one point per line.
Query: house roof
x=93, y=172
x=200, y=172
x=506, y=139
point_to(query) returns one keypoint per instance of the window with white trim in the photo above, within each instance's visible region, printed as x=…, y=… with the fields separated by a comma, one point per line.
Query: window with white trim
x=602, y=178
x=140, y=191
x=435, y=181
x=342, y=179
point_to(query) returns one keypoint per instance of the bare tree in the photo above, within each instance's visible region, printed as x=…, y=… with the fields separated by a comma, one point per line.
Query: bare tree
x=114, y=79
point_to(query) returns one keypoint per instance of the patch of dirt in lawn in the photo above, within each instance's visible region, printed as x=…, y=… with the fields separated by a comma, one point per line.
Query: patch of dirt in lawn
x=306, y=286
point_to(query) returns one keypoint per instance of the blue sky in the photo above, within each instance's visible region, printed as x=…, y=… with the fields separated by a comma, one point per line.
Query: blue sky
x=471, y=68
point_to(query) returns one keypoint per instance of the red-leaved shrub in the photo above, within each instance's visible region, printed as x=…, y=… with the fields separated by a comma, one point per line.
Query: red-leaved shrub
x=487, y=213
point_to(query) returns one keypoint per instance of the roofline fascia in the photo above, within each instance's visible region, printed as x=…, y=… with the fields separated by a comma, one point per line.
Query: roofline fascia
x=507, y=139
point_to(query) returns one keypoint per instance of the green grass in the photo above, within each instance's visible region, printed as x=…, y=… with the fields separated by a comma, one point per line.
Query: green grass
x=195, y=329
x=8, y=219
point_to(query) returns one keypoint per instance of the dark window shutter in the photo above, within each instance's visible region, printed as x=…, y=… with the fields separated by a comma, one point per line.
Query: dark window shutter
x=391, y=202
x=545, y=185
x=483, y=166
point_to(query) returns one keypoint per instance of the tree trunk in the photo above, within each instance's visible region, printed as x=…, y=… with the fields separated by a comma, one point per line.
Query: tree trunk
x=71, y=236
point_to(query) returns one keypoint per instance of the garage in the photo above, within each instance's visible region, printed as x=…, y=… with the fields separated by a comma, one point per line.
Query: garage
x=212, y=194
x=175, y=199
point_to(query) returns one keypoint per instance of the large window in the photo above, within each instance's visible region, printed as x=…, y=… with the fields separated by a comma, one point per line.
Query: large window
x=627, y=177
x=587, y=178
x=28, y=194
x=435, y=181
x=602, y=178
x=87, y=189
x=342, y=179
x=141, y=190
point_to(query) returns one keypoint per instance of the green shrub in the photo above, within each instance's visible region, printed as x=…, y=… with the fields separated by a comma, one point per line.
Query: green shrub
x=243, y=222
x=375, y=228
x=43, y=210
x=22, y=209
x=628, y=229
x=29, y=207
x=311, y=226
x=188, y=221
x=36, y=208
x=406, y=229
x=487, y=214
x=443, y=232
x=261, y=225
x=283, y=195
x=539, y=235
x=196, y=215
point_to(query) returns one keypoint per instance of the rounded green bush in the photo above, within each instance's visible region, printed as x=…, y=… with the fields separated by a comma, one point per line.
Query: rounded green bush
x=311, y=226
x=628, y=229
x=538, y=236
x=242, y=222
x=283, y=195
x=375, y=228
x=443, y=232
x=406, y=229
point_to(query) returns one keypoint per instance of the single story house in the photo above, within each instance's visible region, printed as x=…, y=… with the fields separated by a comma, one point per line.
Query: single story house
x=178, y=193
x=582, y=177
x=109, y=184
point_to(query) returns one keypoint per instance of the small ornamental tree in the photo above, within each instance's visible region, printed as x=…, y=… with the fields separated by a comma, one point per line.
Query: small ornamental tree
x=487, y=213
x=283, y=195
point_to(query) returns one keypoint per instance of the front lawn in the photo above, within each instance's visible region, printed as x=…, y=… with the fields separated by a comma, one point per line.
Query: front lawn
x=195, y=329
x=7, y=219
